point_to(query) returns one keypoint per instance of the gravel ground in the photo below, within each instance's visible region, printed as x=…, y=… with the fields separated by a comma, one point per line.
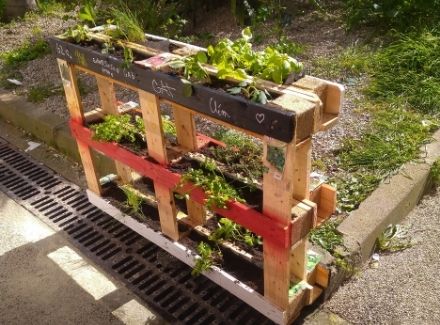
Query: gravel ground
x=404, y=289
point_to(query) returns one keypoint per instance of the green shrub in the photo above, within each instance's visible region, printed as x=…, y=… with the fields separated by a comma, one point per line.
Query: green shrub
x=398, y=14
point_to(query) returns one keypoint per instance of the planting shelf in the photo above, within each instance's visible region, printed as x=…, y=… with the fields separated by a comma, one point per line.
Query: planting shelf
x=289, y=208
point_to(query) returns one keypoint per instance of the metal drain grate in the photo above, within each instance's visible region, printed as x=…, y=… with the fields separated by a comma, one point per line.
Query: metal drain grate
x=162, y=281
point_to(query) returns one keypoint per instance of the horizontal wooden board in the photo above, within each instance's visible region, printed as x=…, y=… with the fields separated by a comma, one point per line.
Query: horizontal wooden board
x=273, y=122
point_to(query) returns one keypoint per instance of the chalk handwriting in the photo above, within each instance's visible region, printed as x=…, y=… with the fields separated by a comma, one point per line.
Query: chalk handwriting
x=61, y=50
x=162, y=88
x=217, y=109
x=106, y=67
x=129, y=74
x=260, y=117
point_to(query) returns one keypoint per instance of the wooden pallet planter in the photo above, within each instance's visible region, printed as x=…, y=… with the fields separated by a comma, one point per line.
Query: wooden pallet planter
x=289, y=207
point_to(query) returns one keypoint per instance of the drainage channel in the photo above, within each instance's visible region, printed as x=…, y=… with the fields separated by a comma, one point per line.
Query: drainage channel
x=158, y=278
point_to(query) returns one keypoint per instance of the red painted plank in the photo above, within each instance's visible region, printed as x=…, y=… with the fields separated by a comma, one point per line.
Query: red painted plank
x=240, y=213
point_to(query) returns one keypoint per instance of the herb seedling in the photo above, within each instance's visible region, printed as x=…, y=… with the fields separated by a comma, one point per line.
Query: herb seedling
x=229, y=230
x=119, y=128
x=206, y=259
x=134, y=200
x=218, y=191
x=250, y=91
x=192, y=67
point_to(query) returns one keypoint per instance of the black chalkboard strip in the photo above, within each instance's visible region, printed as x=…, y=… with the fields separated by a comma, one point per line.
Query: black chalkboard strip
x=234, y=110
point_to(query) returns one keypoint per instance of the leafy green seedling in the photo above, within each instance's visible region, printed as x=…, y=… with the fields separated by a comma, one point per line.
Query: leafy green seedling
x=250, y=91
x=119, y=128
x=394, y=238
x=134, y=200
x=206, y=259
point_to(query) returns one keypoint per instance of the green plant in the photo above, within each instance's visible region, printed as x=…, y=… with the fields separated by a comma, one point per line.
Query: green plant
x=134, y=200
x=229, y=230
x=2, y=9
x=50, y=7
x=218, y=191
x=192, y=67
x=397, y=14
x=119, y=128
x=241, y=154
x=435, y=172
x=327, y=236
x=250, y=91
x=284, y=45
x=237, y=60
x=87, y=14
x=38, y=94
x=394, y=238
x=79, y=33
x=206, y=258
x=128, y=24
x=168, y=126
x=30, y=50
x=128, y=57
x=409, y=68
x=353, y=188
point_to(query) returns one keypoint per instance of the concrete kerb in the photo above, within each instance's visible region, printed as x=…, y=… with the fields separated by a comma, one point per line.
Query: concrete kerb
x=389, y=203
x=48, y=128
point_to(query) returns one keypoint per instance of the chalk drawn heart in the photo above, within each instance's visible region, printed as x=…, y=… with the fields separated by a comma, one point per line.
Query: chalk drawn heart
x=260, y=117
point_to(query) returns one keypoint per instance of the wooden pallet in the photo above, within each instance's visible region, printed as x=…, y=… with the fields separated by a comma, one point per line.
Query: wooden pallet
x=290, y=207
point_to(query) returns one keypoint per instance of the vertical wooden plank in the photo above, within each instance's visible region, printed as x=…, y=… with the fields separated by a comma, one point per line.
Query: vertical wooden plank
x=150, y=107
x=107, y=95
x=73, y=97
x=277, y=203
x=185, y=128
x=301, y=169
x=187, y=139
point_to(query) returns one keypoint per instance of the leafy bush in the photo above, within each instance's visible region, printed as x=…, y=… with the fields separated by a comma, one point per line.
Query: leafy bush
x=119, y=129
x=399, y=14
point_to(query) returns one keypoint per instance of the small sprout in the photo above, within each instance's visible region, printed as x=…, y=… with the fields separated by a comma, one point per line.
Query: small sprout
x=394, y=238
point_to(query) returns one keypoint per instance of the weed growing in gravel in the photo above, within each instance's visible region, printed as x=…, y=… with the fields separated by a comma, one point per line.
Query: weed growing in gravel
x=435, y=172
x=394, y=238
x=38, y=94
x=30, y=50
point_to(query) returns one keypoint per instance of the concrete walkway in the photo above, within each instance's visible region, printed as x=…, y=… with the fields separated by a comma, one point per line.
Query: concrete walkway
x=44, y=280
x=404, y=289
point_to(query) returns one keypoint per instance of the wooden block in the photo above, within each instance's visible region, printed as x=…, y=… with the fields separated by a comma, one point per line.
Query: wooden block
x=322, y=276
x=196, y=213
x=305, y=218
x=74, y=105
x=301, y=168
x=313, y=294
x=325, y=197
x=107, y=95
x=334, y=98
x=315, y=85
x=307, y=114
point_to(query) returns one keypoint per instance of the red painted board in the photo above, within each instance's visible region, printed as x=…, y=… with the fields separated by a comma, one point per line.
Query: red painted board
x=244, y=215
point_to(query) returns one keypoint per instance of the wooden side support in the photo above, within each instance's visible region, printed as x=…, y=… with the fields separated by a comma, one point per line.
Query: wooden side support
x=73, y=97
x=277, y=203
x=107, y=95
x=150, y=107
